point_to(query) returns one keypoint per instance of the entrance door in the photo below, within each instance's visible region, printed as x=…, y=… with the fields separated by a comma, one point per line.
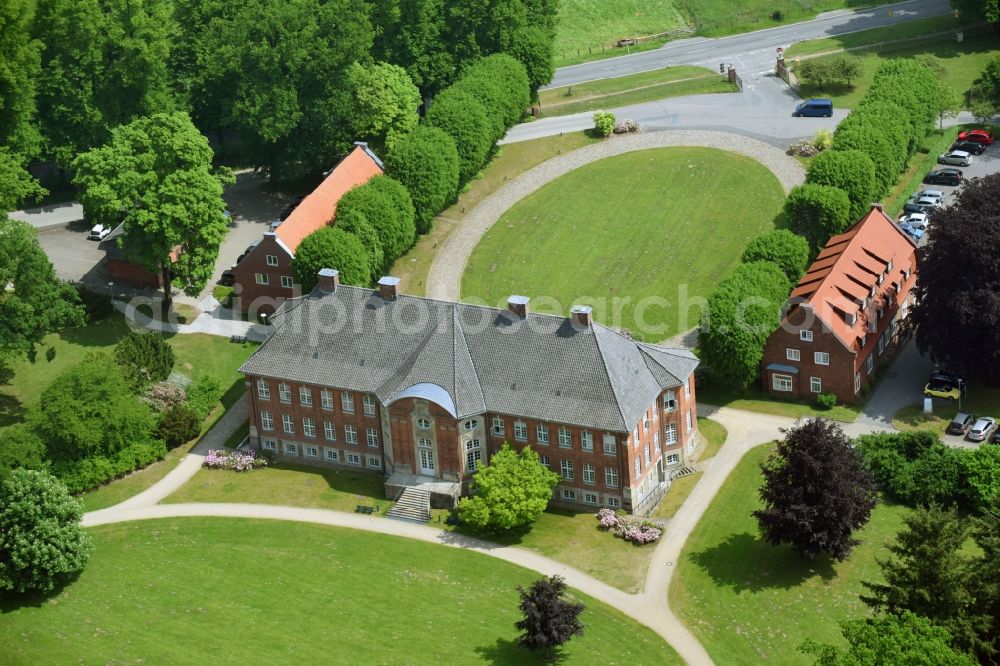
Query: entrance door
x=425, y=451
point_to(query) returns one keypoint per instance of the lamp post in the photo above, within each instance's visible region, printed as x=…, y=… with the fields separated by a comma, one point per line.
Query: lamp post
x=111, y=291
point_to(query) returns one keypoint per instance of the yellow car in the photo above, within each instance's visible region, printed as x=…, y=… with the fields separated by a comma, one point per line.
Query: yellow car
x=944, y=385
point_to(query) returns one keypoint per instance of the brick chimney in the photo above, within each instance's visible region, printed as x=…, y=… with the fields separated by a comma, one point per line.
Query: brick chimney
x=388, y=287
x=518, y=306
x=580, y=315
x=329, y=280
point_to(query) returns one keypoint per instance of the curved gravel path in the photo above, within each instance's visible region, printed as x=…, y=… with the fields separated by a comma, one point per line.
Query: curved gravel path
x=445, y=278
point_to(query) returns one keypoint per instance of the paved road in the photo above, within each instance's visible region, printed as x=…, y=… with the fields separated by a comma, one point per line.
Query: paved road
x=751, y=52
x=51, y=216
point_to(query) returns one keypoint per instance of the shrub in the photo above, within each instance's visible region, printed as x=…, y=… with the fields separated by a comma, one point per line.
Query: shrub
x=823, y=139
x=178, y=424
x=89, y=473
x=818, y=212
x=826, y=400
x=144, y=357
x=511, y=77
x=628, y=528
x=204, y=395
x=163, y=395
x=463, y=118
x=511, y=491
x=915, y=467
x=20, y=448
x=43, y=543
x=387, y=207
x=781, y=247
x=426, y=162
x=604, y=123
x=852, y=171
x=332, y=247
x=97, y=305
x=238, y=461
x=627, y=126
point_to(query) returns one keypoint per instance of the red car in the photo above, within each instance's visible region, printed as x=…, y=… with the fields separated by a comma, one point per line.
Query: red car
x=977, y=135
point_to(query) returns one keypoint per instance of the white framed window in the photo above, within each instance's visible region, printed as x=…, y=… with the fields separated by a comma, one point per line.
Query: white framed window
x=565, y=438
x=472, y=444
x=645, y=423
x=687, y=387
x=347, y=402
x=656, y=442
x=645, y=451
x=353, y=459
x=545, y=462
x=291, y=449
x=781, y=382
x=670, y=434
x=288, y=423
x=286, y=281
x=470, y=425
x=815, y=384
x=308, y=427
x=610, y=444
x=635, y=436
x=351, y=434
x=423, y=424
x=374, y=462
x=586, y=440
x=870, y=363
x=669, y=401
x=590, y=498
x=792, y=354
x=520, y=431
x=425, y=443
x=614, y=502
x=266, y=422
x=611, y=477
x=326, y=398
x=821, y=358
x=305, y=396
x=566, y=469
x=542, y=433
x=271, y=259
x=284, y=392
x=371, y=435
x=688, y=422
x=263, y=390
x=673, y=458
x=329, y=431
x=472, y=459
x=269, y=445
x=498, y=428
x=260, y=278
x=368, y=402
x=806, y=336
x=311, y=452
x=568, y=494
x=589, y=473
x=332, y=455
x=638, y=468
x=857, y=382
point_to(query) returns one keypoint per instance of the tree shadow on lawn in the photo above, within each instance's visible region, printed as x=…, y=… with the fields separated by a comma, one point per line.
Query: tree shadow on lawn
x=508, y=651
x=14, y=601
x=746, y=563
x=100, y=333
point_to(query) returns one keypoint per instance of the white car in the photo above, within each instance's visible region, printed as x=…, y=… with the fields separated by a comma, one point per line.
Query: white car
x=936, y=194
x=956, y=157
x=926, y=202
x=99, y=232
x=915, y=220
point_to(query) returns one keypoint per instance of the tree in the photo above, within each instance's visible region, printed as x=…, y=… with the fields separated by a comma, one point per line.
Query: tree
x=981, y=471
x=38, y=304
x=952, y=311
x=742, y=312
x=411, y=36
x=386, y=205
x=355, y=222
x=816, y=72
x=915, y=468
x=847, y=68
x=463, y=118
x=511, y=491
x=947, y=101
x=178, y=424
x=604, y=123
x=930, y=575
x=878, y=128
x=818, y=212
x=20, y=447
x=852, y=171
x=331, y=247
x=890, y=638
x=533, y=46
x=781, y=247
x=43, y=543
x=986, y=579
x=425, y=161
x=512, y=81
x=19, y=66
x=817, y=491
x=16, y=184
x=385, y=103
x=144, y=357
x=156, y=176
x=550, y=620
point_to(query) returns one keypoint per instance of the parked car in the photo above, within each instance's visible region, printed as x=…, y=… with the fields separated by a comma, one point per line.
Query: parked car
x=928, y=192
x=944, y=177
x=977, y=135
x=915, y=220
x=815, y=108
x=912, y=208
x=926, y=202
x=912, y=232
x=228, y=278
x=944, y=384
x=973, y=147
x=956, y=157
x=982, y=429
x=290, y=207
x=99, y=232
x=961, y=424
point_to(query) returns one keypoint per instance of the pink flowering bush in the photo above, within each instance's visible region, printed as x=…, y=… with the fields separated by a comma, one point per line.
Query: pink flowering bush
x=239, y=461
x=628, y=528
x=607, y=518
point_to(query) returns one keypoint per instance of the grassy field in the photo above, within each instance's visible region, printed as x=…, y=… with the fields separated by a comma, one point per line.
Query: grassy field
x=749, y=602
x=725, y=17
x=632, y=89
x=513, y=160
x=587, y=25
x=853, y=40
x=715, y=435
x=627, y=235
x=196, y=590
x=675, y=497
x=753, y=399
x=913, y=419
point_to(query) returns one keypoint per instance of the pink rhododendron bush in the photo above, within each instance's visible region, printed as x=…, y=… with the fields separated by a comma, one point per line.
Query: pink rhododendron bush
x=239, y=461
x=626, y=527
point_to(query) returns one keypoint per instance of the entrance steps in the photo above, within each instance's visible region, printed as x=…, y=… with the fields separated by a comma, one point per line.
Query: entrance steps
x=413, y=505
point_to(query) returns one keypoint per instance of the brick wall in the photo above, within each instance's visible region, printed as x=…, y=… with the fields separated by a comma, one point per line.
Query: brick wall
x=254, y=298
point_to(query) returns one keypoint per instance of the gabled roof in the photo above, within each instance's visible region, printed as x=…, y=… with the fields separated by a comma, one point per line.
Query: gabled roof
x=483, y=359
x=317, y=209
x=839, y=284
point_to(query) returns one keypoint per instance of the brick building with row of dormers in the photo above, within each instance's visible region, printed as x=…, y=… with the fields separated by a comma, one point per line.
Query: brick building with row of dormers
x=844, y=314
x=425, y=391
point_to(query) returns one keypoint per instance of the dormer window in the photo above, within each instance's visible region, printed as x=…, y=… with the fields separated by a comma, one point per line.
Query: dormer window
x=872, y=293
x=881, y=279
x=889, y=266
x=899, y=287
x=906, y=274
x=864, y=304
x=851, y=318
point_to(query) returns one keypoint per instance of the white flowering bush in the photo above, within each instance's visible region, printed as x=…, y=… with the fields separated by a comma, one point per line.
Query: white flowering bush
x=626, y=126
x=239, y=461
x=626, y=527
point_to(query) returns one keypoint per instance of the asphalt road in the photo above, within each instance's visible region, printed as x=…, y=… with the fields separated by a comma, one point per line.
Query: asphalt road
x=751, y=52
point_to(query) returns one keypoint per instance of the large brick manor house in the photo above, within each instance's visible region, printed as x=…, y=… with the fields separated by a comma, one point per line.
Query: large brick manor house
x=425, y=391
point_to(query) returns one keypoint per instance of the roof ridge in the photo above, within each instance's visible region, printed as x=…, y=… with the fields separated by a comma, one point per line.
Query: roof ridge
x=611, y=382
x=456, y=323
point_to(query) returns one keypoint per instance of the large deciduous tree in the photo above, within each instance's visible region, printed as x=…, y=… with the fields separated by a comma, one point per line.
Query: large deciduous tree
x=852, y=171
x=38, y=303
x=156, y=176
x=425, y=161
x=386, y=205
x=16, y=184
x=786, y=250
x=410, y=34
x=331, y=247
x=464, y=119
x=19, y=66
x=550, y=619
x=958, y=311
x=385, y=103
x=817, y=491
x=511, y=491
x=43, y=543
x=817, y=212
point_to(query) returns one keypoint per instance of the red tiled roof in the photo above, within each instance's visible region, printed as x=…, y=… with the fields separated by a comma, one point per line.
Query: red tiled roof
x=319, y=207
x=839, y=284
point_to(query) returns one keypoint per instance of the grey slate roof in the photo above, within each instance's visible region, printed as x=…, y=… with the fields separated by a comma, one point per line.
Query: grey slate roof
x=540, y=368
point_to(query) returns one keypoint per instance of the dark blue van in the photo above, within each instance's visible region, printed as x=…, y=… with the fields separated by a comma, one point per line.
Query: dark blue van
x=815, y=108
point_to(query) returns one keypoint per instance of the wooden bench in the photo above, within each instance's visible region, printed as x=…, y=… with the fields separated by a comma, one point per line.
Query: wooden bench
x=361, y=508
x=238, y=338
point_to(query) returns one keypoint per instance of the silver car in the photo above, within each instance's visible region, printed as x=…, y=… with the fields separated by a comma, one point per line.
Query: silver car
x=956, y=157
x=915, y=220
x=982, y=429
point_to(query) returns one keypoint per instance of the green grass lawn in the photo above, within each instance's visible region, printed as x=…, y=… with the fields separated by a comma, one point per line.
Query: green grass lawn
x=512, y=160
x=223, y=591
x=898, y=31
x=632, y=89
x=715, y=435
x=122, y=489
x=749, y=602
x=628, y=235
x=913, y=419
x=753, y=399
x=177, y=313
x=591, y=24
x=725, y=17
x=675, y=497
